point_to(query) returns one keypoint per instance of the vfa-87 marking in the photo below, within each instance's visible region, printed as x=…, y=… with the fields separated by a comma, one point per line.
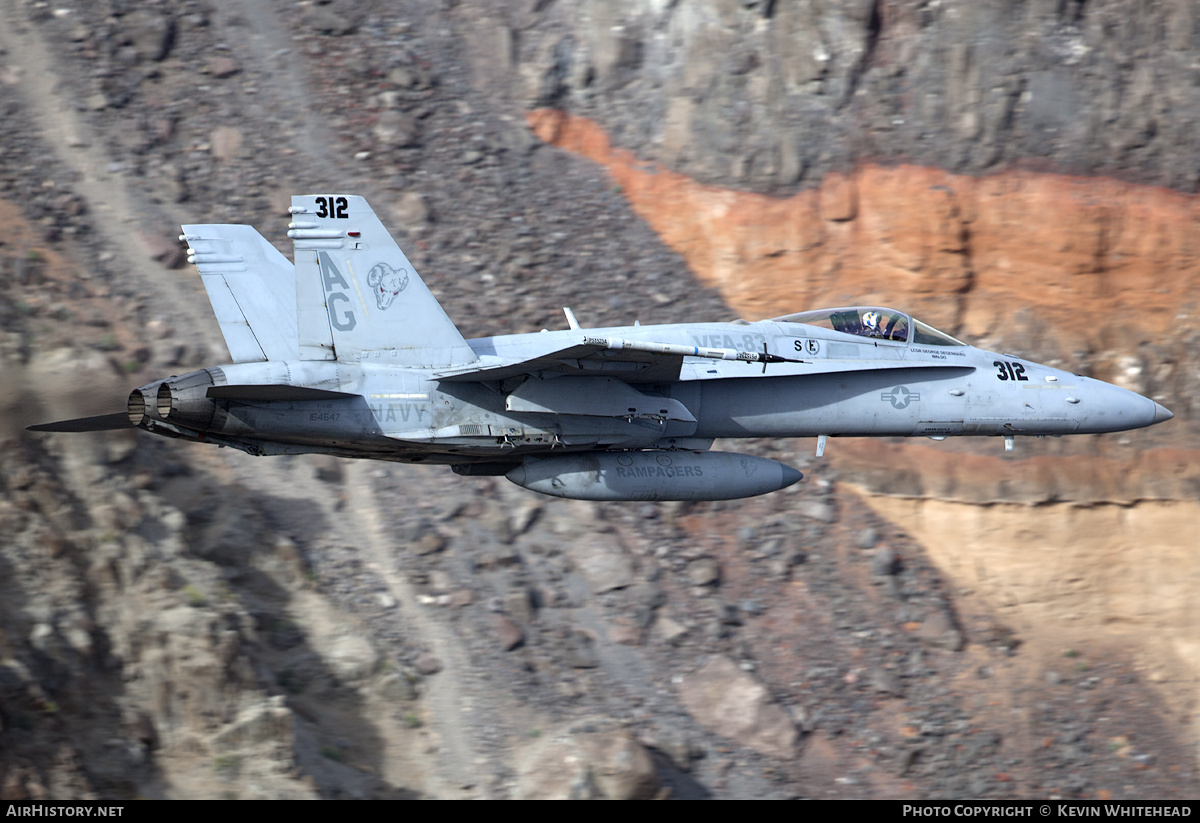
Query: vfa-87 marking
x=622, y=413
x=742, y=342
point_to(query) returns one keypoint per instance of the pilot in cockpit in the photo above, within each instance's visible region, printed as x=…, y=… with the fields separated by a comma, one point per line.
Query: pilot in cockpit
x=872, y=323
x=877, y=324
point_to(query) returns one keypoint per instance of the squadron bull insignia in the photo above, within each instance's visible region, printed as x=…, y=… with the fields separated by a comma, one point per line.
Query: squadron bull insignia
x=386, y=284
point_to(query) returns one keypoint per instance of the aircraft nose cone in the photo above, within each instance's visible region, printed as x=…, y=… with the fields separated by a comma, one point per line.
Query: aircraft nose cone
x=1104, y=407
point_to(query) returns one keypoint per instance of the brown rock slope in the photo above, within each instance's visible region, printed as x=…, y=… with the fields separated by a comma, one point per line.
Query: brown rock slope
x=964, y=252
x=1090, y=273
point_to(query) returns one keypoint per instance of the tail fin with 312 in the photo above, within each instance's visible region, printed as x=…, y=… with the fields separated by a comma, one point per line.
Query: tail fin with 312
x=358, y=296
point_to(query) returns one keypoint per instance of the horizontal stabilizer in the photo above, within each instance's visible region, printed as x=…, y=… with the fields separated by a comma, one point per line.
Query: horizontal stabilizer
x=100, y=423
x=267, y=393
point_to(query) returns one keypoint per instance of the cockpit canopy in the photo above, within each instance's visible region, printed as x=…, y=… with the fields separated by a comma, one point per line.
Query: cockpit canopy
x=875, y=322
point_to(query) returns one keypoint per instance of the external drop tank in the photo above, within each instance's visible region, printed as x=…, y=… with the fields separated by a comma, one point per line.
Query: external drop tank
x=653, y=475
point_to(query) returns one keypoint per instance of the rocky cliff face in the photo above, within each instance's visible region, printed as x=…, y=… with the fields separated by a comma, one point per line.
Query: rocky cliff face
x=1093, y=272
x=768, y=94
x=1021, y=175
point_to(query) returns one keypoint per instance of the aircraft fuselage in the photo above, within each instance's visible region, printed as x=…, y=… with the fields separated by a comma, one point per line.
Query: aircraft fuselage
x=845, y=386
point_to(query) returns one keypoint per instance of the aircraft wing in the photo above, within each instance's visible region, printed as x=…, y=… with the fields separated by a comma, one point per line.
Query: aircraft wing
x=635, y=361
x=586, y=358
x=632, y=361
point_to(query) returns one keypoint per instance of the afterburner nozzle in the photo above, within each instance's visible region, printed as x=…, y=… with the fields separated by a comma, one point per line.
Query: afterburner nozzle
x=137, y=407
x=182, y=400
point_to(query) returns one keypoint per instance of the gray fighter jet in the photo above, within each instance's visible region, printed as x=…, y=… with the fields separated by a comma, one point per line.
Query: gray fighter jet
x=346, y=352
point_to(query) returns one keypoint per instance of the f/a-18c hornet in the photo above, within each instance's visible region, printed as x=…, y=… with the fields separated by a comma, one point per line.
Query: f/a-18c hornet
x=347, y=352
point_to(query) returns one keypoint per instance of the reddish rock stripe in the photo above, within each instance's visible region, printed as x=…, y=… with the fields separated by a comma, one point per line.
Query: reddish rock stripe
x=963, y=252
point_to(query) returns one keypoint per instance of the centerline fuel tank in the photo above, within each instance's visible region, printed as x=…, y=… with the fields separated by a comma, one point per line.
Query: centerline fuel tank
x=653, y=475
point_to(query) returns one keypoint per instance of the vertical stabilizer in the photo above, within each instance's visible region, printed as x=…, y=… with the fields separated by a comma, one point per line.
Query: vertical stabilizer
x=358, y=296
x=252, y=288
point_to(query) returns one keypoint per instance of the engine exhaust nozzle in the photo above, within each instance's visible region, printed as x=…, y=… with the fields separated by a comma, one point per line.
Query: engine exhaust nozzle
x=137, y=407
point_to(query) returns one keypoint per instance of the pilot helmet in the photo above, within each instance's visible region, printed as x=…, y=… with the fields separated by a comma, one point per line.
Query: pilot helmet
x=871, y=320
